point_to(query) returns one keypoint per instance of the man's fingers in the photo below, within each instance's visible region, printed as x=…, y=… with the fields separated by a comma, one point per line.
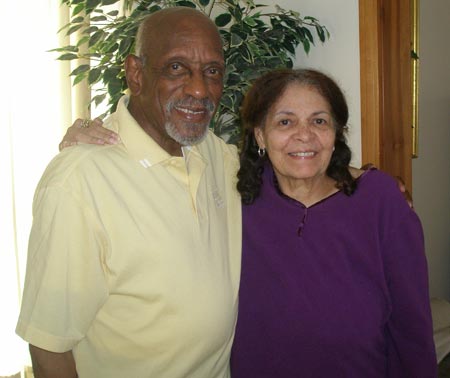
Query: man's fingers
x=401, y=184
x=367, y=166
x=406, y=193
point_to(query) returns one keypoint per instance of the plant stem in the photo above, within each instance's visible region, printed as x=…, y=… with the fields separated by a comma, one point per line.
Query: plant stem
x=211, y=8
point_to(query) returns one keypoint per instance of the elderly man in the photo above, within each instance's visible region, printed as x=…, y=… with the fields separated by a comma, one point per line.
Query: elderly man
x=134, y=255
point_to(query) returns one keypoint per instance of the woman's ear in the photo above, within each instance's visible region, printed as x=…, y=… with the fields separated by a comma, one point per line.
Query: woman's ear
x=133, y=72
x=259, y=136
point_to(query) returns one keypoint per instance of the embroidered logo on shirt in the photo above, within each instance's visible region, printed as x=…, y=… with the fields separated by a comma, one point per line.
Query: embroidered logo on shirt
x=218, y=198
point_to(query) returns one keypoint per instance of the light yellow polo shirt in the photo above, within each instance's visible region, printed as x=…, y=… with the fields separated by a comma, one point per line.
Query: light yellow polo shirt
x=134, y=257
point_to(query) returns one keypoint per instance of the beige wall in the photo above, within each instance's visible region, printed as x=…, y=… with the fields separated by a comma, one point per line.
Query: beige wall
x=431, y=170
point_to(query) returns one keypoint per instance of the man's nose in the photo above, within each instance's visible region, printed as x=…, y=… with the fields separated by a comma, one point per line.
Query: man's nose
x=196, y=86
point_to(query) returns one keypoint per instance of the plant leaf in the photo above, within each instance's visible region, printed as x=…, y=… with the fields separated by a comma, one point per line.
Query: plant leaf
x=320, y=33
x=94, y=75
x=96, y=37
x=77, y=9
x=125, y=46
x=91, y=4
x=90, y=29
x=308, y=35
x=66, y=48
x=114, y=87
x=236, y=40
x=250, y=21
x=79, y=78
x=80, y=69
x=68, y=56
x=74, y=28
x=184, y=3
x=98, y=99
x=98, y=18
x=111, y=73
x=77, y=20
x=109, y=2
x=222, y=19
x=306, y=46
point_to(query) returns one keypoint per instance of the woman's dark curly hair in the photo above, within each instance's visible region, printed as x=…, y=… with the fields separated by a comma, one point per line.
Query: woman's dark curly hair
x=257, y=103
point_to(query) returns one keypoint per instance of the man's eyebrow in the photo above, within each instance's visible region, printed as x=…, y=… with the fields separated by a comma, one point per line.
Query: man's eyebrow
x=183, y=59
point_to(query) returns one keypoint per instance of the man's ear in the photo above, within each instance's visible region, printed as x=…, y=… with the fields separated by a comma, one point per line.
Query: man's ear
x=259, y=137
x=133, y=72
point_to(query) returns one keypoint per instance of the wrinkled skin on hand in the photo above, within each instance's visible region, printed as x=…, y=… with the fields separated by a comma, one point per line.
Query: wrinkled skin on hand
x=97, y=134
x=94, y=134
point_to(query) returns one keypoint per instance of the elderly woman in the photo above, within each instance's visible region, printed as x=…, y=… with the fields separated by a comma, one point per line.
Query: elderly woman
x=334, y=277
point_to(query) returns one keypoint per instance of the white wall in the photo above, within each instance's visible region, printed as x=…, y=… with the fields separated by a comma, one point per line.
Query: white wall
x=431, y=170
x=338, y=56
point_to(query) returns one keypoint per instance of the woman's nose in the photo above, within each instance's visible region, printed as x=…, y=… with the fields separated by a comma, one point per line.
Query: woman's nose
x=303, y=131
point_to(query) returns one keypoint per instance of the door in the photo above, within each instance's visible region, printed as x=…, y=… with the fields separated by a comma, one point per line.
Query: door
x=386, y=90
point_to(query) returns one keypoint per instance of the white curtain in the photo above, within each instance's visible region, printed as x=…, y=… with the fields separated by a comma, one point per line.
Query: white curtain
x=37, y=104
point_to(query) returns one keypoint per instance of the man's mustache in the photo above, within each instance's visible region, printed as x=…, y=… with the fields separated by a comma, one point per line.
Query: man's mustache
x=193, y=103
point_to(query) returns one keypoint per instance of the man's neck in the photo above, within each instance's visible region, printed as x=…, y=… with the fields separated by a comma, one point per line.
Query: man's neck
x=159, y=136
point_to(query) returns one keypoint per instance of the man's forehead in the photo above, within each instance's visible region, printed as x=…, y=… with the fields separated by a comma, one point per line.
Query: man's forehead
x=184, y=30
x=195, y=51
x=179, y=36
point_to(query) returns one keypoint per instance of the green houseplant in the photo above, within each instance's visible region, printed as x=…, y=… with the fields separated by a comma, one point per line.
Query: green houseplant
x=256, y=39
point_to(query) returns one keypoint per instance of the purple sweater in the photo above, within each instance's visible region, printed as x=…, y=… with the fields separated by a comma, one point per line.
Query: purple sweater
x=339, y=289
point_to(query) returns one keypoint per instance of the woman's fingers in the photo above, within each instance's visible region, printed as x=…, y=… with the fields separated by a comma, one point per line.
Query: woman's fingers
x=88, y=132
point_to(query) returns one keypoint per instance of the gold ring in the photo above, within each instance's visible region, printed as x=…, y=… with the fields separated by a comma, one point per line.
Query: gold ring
x=85, y=123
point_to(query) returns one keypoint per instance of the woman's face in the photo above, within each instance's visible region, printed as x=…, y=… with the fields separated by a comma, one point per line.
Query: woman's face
x=298, y=135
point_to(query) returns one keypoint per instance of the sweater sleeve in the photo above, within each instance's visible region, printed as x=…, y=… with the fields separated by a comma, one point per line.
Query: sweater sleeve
x=409, y=337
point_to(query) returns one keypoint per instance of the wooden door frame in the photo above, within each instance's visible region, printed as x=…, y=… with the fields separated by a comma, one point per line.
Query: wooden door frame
x=386, y=91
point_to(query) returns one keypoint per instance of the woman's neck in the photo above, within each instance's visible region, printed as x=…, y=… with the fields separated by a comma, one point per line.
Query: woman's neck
x=308, y=191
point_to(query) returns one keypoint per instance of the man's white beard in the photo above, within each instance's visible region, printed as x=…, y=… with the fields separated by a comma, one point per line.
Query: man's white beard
x=184, y=140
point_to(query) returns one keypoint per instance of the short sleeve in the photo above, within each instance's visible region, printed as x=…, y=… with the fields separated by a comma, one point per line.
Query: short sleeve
x=65, y=283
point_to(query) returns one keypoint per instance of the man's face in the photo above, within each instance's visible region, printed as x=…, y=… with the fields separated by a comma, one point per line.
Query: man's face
x=183, y=81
